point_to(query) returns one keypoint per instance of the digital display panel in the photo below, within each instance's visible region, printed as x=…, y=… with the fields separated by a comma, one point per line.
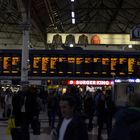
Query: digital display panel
x=88, y=66
x=80, y=65
x=6, y=65
x=131, y=66
x=71, y=65
x=105, y=66
x=45, y=65
x=36, y=65
x=97, y=64
x=62, y=65
x=16, y=64
x=123, y=66
x=53, y=65
x=1, y=66
x=113, y=65
x=137, y=67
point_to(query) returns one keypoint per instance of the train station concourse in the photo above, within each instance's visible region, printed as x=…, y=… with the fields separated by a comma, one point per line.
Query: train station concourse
x=69, y=69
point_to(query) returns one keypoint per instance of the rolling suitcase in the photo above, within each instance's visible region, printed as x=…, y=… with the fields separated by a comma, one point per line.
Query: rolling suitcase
x=19, y=134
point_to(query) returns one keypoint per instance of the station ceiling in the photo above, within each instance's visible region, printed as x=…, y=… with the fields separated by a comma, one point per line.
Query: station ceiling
x=92, y=16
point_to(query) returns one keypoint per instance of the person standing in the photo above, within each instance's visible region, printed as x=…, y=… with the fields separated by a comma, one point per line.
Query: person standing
x=71, y=126
x=127, y=124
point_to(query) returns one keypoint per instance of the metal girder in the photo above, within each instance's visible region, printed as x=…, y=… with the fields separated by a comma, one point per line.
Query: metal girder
x=52, y=17
x=38, y=24
x=114, y=14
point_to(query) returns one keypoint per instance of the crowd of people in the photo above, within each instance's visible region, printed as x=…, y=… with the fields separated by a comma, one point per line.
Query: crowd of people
x=76, y=111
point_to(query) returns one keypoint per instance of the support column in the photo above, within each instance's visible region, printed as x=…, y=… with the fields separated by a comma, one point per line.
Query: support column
x=25, y=65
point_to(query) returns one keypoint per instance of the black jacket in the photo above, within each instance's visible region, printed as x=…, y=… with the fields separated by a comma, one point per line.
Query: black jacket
x=76, y=130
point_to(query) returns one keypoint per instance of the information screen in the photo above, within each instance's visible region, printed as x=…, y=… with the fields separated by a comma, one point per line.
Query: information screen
x=123, y=69
x=88, y=66
x=79, y=65
x=16, y=65
x=45, y=65
x=97, y=65
x=105, y=66
x=7, y=65
x=36, y=65
x=52, y=63
x=131, y=66
x=70, y=65
x=1, y=65
x=113, y=65
x=62, y=65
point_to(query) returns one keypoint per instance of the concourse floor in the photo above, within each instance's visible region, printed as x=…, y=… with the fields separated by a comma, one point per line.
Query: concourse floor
x=45, y=131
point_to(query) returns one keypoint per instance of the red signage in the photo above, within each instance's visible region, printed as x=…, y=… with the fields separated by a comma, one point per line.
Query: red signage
x=89, y=82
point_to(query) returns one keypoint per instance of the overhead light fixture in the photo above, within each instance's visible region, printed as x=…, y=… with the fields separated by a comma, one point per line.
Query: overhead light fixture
x=130, y=46
x=71, y=45
x=72, y=0
x=72, y=14
x=73, y=20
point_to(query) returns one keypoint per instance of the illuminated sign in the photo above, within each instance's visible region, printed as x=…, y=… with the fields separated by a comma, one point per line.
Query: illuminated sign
x=90, y=39
x=89, y=82
x=91, y=64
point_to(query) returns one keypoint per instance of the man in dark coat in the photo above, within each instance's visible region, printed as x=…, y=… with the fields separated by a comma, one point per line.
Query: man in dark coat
x=71, y=127
x=127, y=126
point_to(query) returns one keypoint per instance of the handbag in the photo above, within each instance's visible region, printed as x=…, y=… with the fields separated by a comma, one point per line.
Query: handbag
x=10, y=125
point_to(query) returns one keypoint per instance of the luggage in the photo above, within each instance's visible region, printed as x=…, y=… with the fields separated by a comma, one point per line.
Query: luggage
x=19, y=134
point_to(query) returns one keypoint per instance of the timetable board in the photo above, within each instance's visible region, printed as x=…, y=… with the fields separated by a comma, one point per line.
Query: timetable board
x=85, y=64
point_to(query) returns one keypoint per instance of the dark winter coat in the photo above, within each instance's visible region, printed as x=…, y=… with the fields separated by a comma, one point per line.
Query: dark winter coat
x=127, y=126
x=76, y=130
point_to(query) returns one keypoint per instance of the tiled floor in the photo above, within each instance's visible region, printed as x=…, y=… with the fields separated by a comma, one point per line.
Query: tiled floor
x=45, y=132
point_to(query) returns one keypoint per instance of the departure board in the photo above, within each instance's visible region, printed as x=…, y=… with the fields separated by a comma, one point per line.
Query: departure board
x=72, y=64
x=88, y=66
x=123, y=66
x=131, y=66
x=62, y=65
x=113, y=65
x=105, y=66
x=16, y=65
x=6, y=65
x=137, y=67
x=53, y=65
x=97, y=64
x=45, y=65
x=79, y=65
x=36, y=69
x=1, y=66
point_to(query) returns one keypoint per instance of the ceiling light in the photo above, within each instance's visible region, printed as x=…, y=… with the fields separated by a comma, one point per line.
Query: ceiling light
x=72, y=0
x=130, y=46
x=71, y=45
x=73, y=20
x=72, y=14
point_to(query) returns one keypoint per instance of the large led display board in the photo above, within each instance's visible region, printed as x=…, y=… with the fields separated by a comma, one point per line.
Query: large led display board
x=72, y=63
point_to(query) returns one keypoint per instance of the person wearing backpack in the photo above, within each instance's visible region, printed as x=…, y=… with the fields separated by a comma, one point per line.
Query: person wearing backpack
x=127, y=125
